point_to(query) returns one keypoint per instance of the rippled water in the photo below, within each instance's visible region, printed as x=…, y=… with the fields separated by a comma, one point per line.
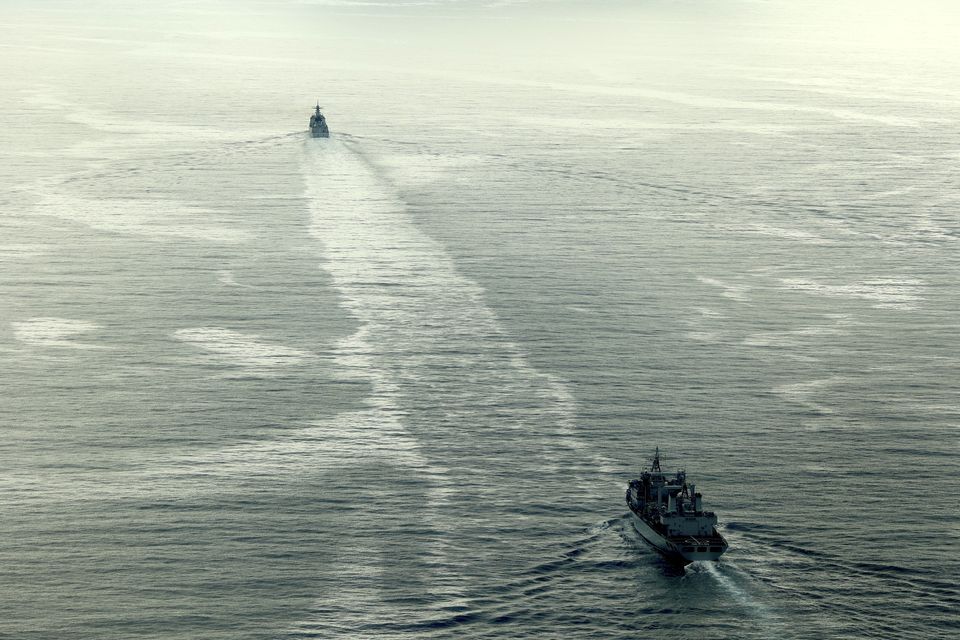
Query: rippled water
x=393, y=384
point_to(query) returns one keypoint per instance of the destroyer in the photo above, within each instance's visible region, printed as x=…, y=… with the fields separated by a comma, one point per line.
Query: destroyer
x=318, y=124
x=669, y=514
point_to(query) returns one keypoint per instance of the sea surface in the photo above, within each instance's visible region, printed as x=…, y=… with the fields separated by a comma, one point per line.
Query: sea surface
x=393, y=384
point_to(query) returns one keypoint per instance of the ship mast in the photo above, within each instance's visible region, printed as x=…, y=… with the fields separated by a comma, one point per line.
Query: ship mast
x=656, y=461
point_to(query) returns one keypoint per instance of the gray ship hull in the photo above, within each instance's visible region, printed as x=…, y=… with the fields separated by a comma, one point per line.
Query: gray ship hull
x=318, y=124
x=683, y=549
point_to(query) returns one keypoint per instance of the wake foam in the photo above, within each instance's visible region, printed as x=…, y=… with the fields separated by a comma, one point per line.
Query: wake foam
x=241, y=349
x=425, y=332
x=903, y=294
x=54, y=332
x=737, y=587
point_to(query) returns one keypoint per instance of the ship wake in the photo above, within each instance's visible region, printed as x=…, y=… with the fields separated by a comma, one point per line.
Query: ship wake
x=446, y=382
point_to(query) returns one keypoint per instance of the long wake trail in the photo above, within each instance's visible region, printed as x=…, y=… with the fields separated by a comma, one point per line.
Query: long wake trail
x=425, y=334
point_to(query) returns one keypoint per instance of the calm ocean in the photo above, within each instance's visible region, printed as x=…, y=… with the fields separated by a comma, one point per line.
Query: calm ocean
x=393, y=384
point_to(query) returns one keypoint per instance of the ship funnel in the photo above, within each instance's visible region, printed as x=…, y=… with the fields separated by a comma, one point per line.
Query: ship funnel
x=697, y=502
x=671, y=504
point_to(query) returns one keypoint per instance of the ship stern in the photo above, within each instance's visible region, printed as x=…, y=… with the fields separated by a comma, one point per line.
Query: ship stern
x=701, y=552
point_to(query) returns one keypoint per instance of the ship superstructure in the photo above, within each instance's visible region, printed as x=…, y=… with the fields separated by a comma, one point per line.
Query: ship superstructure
x=318, y=124
x=669, y=514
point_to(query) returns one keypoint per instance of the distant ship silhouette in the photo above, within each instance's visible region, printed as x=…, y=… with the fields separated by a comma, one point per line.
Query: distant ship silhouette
x=318, y=124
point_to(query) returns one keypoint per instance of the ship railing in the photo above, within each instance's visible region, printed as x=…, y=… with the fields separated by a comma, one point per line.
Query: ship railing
x=700, y=540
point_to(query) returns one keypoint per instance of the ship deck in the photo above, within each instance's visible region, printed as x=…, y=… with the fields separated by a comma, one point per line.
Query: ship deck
x=697, y=541
x=687, y=541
